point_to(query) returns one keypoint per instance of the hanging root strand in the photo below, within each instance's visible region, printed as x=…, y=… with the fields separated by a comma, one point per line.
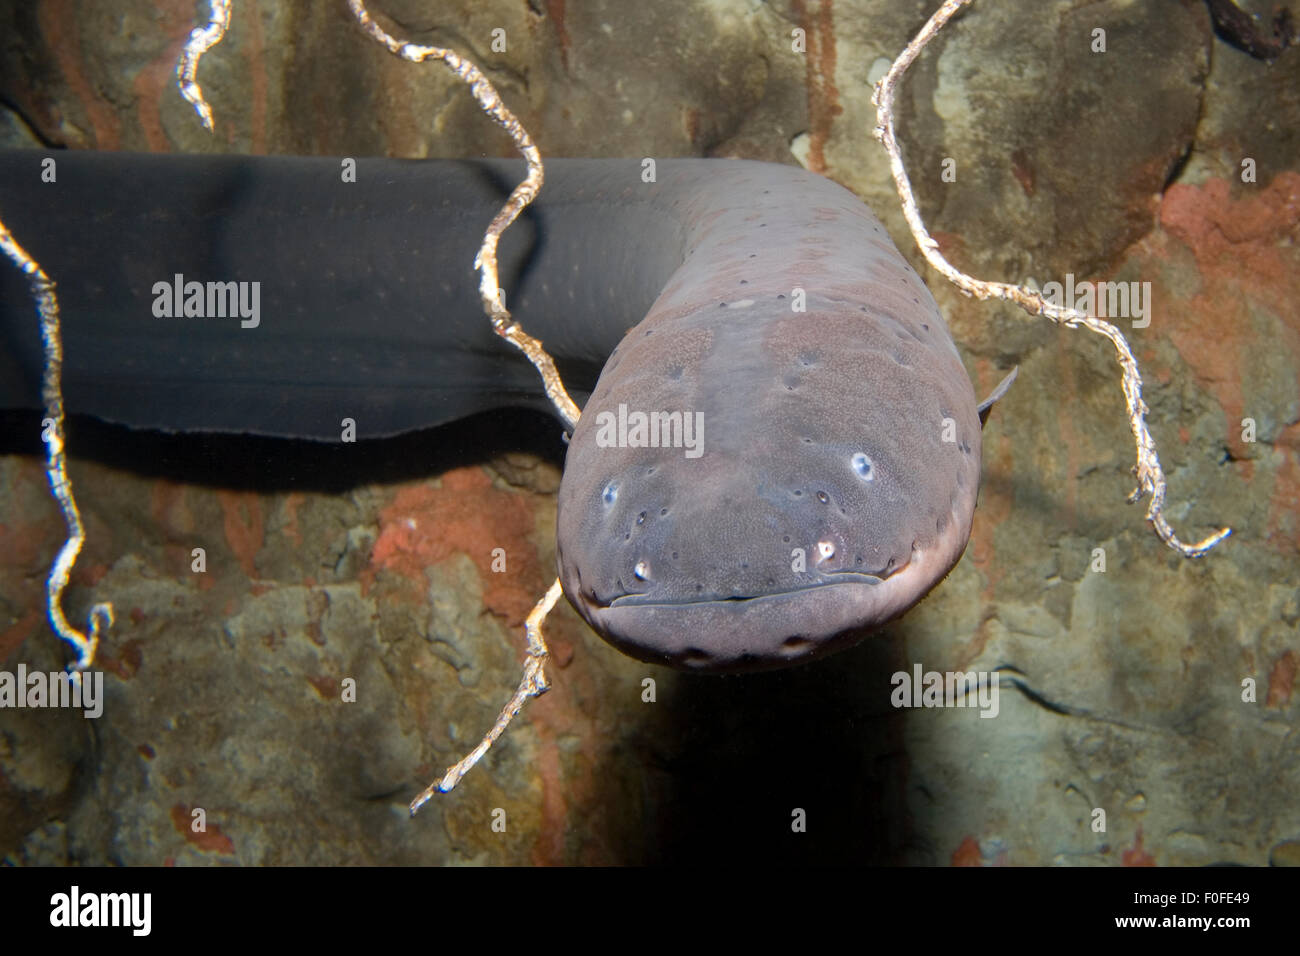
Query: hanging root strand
x=1150, y=476
x=534, y=683
x=56, y=470
x=202, y=39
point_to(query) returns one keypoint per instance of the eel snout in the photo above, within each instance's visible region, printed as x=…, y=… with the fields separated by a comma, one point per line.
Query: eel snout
x=742, y=569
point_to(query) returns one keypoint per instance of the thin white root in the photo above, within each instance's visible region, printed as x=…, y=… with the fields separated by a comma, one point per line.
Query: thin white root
x=532, y=684
x=202, y=39
x=101, y=615
x=486, y=260
x=1150, y=476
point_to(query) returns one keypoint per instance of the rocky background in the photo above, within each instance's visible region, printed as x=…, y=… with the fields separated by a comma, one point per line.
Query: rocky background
x=223, y=689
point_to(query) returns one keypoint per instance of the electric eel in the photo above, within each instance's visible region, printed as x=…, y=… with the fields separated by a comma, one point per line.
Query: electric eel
x=779, y=448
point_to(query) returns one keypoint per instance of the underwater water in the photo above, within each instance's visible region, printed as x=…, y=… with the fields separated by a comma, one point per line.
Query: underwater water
x=1155, y=689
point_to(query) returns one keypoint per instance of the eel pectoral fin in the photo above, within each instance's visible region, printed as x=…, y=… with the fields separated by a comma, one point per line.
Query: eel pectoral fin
x=986, y=406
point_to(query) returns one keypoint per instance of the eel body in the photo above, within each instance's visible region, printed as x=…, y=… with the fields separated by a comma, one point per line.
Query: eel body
x=781, y=452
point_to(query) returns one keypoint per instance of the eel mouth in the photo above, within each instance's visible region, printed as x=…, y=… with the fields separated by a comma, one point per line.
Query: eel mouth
x=836, y=577
x=767, y=631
